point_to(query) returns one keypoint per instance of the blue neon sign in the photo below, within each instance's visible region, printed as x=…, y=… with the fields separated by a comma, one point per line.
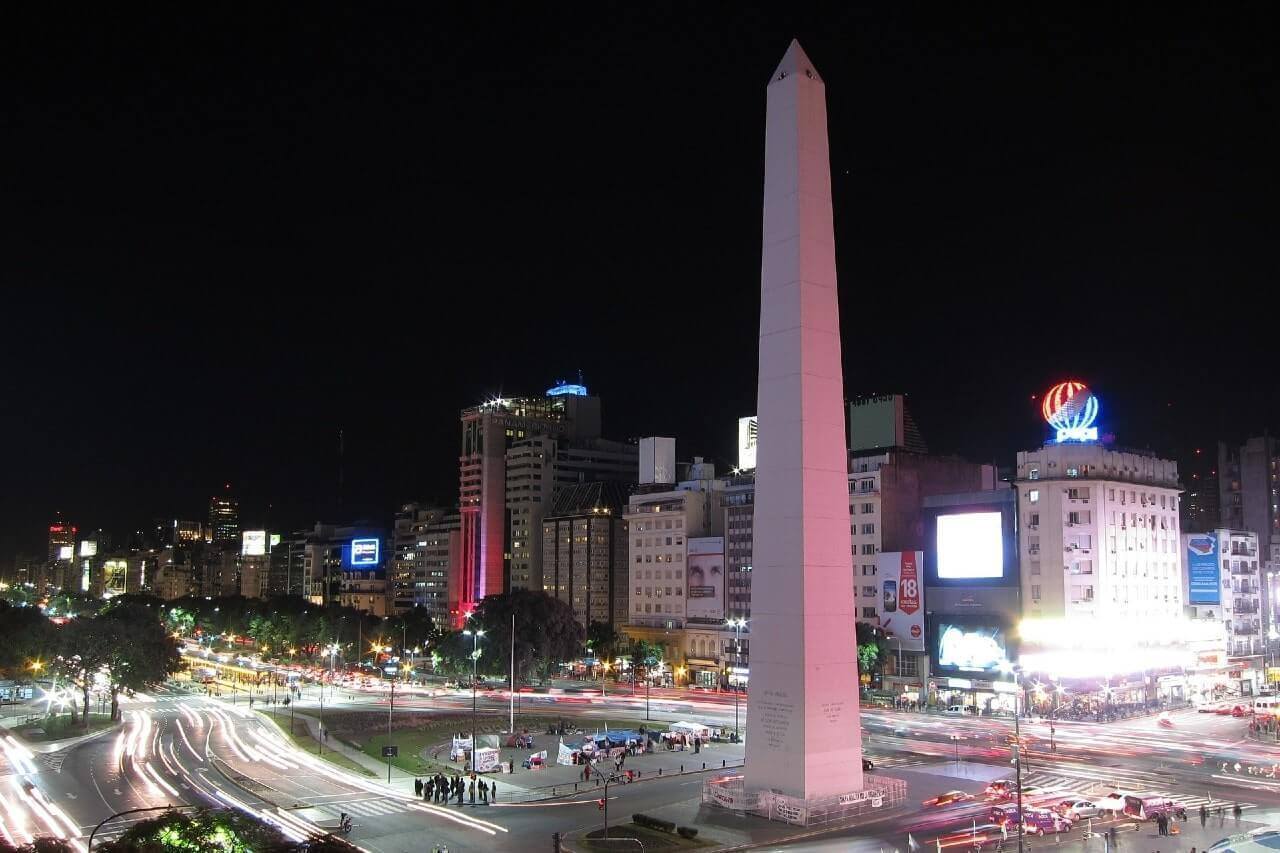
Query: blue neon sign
x=365, y=552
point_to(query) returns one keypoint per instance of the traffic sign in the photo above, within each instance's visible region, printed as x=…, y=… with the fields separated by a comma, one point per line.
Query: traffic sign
x=391, y=752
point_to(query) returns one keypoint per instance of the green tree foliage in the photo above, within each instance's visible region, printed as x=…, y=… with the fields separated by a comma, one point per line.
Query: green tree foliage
x=872, y=647
x=126, y=642
x=204, y=831
x=546, y=634
x=26, y=636
x=603, y=640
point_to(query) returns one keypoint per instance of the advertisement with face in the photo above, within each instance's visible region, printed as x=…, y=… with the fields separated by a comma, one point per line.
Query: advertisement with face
x=704, y=600
x=902, y=598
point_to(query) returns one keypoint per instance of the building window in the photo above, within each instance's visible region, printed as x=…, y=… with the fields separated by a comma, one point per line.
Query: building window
x=1035, y=592
x=1033, y=496
x=868, y=613
x=868, y=529
x=1033, y=521
x=868, y=549
x=1033, y=474
x=909, y=666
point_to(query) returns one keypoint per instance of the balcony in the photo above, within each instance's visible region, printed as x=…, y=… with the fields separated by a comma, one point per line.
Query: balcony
x=1246, y=606
x=1245, y=630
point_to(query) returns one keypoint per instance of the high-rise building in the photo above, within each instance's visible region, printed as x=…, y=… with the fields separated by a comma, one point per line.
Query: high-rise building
x=347, y=565
x=1223, y=583
x=660, y=525
x=537, y=468
x=1099, y=534
x=62, y=555
x=426, y=560
x=1249, y=499
x=224, y=519
x=584, y=551
x=488, y=431
x=1199, y=470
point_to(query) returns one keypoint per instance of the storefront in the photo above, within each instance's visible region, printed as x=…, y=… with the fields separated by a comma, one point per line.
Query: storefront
x=979, y=696
x=703, y=672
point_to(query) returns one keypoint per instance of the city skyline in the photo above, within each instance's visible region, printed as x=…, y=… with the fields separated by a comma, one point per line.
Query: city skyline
x=1067, y=219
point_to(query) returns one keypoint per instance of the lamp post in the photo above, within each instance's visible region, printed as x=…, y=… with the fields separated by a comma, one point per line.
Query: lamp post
x=1009, y=668
x=738, y=624
x=475, y=658
x=604, y=670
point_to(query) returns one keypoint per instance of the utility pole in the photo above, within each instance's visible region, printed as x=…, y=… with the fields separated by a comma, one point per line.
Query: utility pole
x=391, y=707
x=512, y=697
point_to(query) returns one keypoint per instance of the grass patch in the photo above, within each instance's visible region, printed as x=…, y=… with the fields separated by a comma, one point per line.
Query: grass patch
x=301, y=737
x=652, y=839
x=57, y=728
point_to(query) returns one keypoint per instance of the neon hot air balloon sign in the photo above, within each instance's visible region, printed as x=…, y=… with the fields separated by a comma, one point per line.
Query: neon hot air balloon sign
x=1071, y=409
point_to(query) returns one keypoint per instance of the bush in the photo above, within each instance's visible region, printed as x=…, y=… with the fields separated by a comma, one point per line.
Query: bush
x=687, y=832
x=653, y=823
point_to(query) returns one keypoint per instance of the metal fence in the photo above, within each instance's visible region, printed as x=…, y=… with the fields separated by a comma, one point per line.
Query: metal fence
x=728, y=790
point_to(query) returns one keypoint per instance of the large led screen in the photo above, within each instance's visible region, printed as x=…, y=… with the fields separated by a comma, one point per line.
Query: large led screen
x=970, y=545
x=970, y=648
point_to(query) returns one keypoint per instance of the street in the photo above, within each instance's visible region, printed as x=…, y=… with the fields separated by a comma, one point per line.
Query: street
x=178, y=748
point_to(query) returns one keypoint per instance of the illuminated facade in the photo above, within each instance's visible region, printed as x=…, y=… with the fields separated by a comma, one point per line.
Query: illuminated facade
x=488, y=431
x=1099, y=534
x=1249, y=499
x=426, y=560
x=224, y=520
x=1222, y=582
x=62, y=553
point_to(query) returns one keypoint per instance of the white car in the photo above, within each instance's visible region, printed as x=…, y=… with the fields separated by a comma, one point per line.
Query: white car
x=1078, y=809
x=956, y=711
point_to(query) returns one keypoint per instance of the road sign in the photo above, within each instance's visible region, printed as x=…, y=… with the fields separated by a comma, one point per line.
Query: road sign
x=391, y=752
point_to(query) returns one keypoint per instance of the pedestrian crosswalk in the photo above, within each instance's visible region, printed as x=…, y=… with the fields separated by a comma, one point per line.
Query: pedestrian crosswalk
x=371, y=807
x=1094, y=782
x=885, y=761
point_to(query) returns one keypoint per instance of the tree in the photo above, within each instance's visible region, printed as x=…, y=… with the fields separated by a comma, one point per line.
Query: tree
x=603, y=640
x=126, y=644
x=872, y=648
x=26, y=637
x=205, y=831
x=645, y=655
x=547, y=632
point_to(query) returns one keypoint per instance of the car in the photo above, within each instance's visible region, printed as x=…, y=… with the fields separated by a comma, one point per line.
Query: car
x=900, y=731
x=1240, y=711
x=956, y=711
x=1002, y=789
x=1040, y=821
x=1074, y=809
x=949, y=798
x=867, y=764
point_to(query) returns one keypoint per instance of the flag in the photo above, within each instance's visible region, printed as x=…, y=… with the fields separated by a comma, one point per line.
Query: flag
x=911, y=843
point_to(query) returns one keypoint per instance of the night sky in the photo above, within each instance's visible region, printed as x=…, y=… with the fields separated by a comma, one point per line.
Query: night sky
x=232, y=231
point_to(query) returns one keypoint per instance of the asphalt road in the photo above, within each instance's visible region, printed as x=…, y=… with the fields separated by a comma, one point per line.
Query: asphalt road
x=186, y=749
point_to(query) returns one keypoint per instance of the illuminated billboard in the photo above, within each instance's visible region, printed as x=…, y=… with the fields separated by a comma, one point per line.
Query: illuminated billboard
x=704, y=600
x=748, y=436
x=970, y=545
x=1203, y=586
x=253, y=543
x=66, y=552
x=962, y=646
x=88, y=548
x=274, y=540
x=901, y=576
x=364, y=552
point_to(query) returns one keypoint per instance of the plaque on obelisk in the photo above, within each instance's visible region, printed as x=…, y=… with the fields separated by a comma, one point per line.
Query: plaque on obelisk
x=803, y=737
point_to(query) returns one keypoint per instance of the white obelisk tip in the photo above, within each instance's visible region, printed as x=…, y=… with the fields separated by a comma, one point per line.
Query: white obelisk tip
x=795, y=61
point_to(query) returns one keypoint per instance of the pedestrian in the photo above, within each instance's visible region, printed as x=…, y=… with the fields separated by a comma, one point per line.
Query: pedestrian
x=1204, y=813
x=429, y=790
x=493, y=791
x=417, y=787
x=1236, y=812
x=484, y=791
x=471, y=786
x=1160, y=824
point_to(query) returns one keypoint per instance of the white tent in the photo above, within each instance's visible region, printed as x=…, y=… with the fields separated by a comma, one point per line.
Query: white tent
x=697, y=730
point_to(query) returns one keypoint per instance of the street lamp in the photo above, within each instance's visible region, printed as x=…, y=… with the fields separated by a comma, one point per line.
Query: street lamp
x=475, y=658
x=604, y=671
x=1010, y=669
x=737, y=625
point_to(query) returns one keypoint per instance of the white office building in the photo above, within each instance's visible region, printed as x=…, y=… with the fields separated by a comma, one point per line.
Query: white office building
x=1098, y=534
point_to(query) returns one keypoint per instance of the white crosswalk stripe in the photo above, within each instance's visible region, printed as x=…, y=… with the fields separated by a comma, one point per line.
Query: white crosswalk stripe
x=363, y=808
x=881, y=761
x=1095, y=782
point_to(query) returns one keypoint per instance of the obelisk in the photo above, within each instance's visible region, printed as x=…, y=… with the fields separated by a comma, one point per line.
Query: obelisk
x=803, y=737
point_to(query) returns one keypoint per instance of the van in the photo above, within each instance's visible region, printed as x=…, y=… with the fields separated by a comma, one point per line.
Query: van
x=956, y=710
x=1147, y=806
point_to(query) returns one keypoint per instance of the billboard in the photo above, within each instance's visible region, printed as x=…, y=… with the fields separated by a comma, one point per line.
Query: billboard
x=1203, y=586
x=253, y=543
x=88, y=548
x=961, y=645
x=364, y=552
x=66, y=552
x=748, y=435
x=902, y=597
x=970, y=545
x=657, y=460
x=274, y=540
x=704, y=600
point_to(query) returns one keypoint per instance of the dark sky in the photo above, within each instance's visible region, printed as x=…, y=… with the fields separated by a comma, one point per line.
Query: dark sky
x=232, y=230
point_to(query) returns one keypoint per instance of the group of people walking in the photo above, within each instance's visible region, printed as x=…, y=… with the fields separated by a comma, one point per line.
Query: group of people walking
x=445, y=789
